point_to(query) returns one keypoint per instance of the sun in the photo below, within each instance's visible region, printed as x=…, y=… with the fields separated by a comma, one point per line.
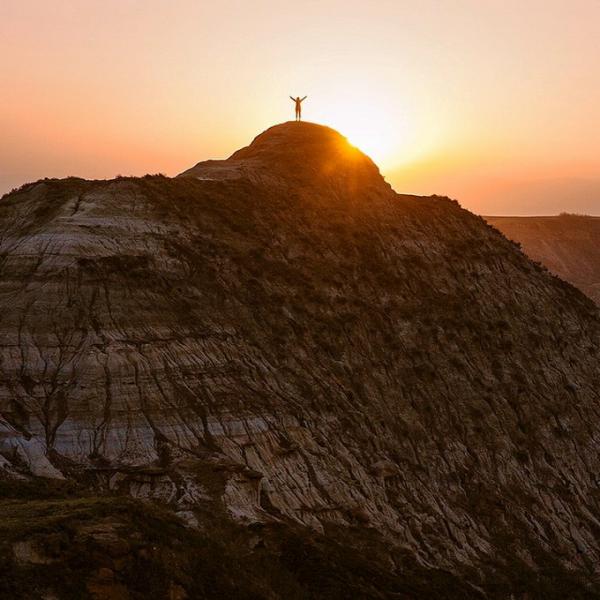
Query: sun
x=371, y=138
x=370, y=125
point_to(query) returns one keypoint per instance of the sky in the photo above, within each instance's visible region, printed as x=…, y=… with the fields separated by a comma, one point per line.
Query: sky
x=493, y=102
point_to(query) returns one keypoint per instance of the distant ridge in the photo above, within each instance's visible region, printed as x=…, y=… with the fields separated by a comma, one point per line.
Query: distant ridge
x=568, y=245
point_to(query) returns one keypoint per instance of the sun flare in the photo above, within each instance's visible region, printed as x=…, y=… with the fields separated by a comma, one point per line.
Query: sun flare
x=373, y=135
x=370, y=123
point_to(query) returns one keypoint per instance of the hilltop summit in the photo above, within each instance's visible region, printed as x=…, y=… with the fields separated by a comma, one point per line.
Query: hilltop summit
x=297, y=153
x=342, y=391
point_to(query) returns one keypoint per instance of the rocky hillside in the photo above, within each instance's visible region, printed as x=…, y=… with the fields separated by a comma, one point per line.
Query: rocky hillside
x=569, y=245
x=372, y=395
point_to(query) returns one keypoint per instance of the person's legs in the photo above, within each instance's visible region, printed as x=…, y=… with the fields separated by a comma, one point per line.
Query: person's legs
x=300, y=113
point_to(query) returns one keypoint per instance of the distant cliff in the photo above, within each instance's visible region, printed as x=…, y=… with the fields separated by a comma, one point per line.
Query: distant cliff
x=368, y=394
x=568, y=245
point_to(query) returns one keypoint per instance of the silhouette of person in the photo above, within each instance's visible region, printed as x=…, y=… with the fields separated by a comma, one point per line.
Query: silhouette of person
x=298, y=102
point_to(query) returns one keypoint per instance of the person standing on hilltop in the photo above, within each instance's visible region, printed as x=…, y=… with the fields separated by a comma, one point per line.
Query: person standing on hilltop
x=298, y=102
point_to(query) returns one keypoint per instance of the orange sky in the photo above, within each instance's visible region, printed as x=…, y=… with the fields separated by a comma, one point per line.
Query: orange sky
x=495, y=103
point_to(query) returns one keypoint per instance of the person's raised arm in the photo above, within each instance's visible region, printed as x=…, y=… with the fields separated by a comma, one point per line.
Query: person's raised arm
x=292, y=99
x=303, y=99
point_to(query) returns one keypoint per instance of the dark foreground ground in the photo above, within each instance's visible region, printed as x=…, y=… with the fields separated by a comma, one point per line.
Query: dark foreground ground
x=58, y=541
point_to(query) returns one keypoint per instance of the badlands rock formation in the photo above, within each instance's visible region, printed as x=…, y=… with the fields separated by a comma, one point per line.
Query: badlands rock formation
x=568, y=245
x=282, y=337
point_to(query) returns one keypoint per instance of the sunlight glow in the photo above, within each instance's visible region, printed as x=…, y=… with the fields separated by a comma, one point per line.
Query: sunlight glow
x=370, y=124
x=383, y=121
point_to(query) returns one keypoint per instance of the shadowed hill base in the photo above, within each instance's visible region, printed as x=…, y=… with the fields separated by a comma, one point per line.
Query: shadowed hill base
x=282, y=340
x=58, y=541
x=569, y=245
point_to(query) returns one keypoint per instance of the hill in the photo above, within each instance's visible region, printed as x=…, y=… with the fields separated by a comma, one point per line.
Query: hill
x=346, y=391
x=569, y=245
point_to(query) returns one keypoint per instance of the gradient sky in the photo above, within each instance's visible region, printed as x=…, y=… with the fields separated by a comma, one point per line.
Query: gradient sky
x=495, y=103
